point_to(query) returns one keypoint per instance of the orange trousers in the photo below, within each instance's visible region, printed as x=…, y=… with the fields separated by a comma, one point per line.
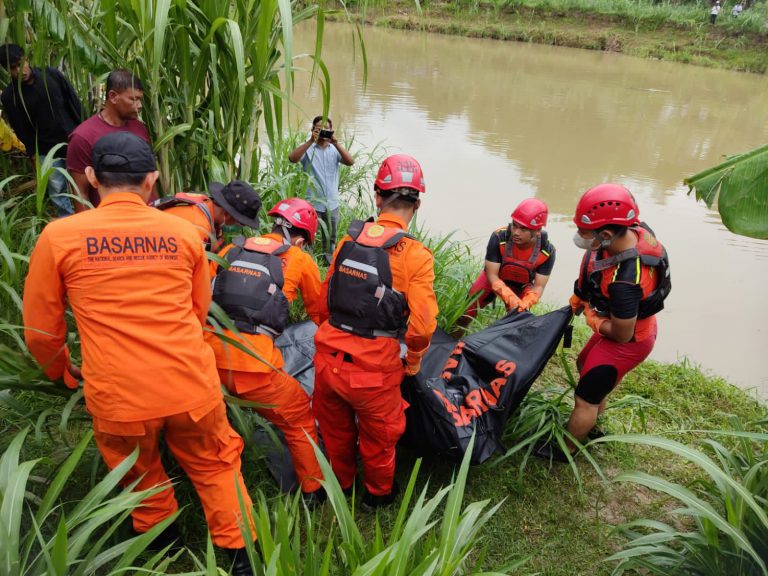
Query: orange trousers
x=290, y=412
x=362, y=410
x=208, y=449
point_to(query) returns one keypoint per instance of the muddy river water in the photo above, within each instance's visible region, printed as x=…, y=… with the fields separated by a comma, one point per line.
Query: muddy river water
x=495, y=122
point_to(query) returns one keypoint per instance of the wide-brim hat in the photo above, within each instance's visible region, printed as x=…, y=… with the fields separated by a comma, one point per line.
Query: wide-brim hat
x=238, y=199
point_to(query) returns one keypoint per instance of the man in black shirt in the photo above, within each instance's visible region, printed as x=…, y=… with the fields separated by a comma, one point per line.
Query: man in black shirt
x=42, y=107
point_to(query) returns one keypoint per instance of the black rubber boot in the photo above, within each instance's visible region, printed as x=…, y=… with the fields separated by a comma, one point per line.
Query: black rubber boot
x=595, y=433
x=550, y=452
x=241, y=565
x=373, y=501
x=314, y=499
x=170, y=536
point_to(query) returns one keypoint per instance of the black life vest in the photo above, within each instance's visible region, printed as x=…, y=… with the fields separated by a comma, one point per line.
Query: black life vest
x=187, y=199
x=250, y=291
x=361, y=299
x=521, y=273
x=650, y=252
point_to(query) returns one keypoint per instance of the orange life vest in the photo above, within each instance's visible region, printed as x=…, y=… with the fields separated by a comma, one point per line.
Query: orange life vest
x=187, y=199
x=520, y=272
x=596, y=273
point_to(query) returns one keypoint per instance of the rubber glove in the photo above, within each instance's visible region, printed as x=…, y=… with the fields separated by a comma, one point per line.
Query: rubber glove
x=528, y=300
x=593, y=320
x=72, y=376
x=412, y=365
x=577, y=304
x=504, y=292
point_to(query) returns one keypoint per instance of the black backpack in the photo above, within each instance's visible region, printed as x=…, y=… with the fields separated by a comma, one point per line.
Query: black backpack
x=361, y=299
x=250, y=291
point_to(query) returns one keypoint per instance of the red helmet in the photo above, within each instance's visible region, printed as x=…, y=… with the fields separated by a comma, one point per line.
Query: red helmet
x=606, y=204
x=297, y=213
x=531, y=213
x=400, y=171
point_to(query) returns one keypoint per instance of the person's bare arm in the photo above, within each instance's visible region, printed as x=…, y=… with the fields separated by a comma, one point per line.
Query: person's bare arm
x=81, y=191
x=300, y=150
x=492, y=271
x=346, y=157
x=539, y=283
x=618, y=329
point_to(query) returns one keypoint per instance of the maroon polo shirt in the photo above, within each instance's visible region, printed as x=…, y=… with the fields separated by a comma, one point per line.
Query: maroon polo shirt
x=82, y=139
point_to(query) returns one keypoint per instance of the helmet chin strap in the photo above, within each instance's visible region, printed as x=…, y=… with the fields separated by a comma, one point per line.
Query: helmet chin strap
x=391, y=198
x=284, y=226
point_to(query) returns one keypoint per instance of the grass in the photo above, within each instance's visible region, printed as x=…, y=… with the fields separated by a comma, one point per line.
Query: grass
x=678, y=32
x=560, y=525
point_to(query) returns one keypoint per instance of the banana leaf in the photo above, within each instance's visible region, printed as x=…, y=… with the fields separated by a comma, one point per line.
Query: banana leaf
x=739, y=188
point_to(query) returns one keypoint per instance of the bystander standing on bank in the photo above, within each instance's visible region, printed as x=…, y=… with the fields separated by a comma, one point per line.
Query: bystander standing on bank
x=43, y=109
x=321, y=156
x=123, y=104
x=714, y=12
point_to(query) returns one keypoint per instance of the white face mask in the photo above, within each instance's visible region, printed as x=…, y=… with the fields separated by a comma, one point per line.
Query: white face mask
x=583, y=243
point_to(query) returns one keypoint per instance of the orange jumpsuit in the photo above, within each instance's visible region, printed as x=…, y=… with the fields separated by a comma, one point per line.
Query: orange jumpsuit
x=357, y=400
x=138, y=283
x=264, y=381
x=196, y=217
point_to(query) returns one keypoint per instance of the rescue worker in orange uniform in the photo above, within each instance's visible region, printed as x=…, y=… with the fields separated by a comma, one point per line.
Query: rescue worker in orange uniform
x=518, y=262
x=264, y=275
x=228, y=205
x=138, y=283
x=379, y=287
x=623, y=281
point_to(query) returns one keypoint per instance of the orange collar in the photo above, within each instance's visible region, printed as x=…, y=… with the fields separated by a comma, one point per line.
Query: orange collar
x=392, y=221
x=116, y=197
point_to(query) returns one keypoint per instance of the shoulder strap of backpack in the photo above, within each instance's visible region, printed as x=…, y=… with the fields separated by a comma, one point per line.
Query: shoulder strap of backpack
x=204, y=208
x=396, y=238
x=355, y=228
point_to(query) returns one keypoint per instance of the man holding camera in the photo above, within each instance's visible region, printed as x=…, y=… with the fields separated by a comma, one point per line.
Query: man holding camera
x=320, y=156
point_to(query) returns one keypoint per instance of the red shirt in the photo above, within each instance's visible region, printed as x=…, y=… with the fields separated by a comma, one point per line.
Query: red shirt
x=83, y=138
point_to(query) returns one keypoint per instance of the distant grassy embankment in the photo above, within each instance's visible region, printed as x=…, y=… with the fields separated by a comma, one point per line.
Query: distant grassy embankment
x=679, y=32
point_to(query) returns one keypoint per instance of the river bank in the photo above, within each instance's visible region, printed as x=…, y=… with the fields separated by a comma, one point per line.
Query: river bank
x=678, y=34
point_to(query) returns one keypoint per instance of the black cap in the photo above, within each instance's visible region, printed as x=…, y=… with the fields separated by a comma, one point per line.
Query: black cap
x=239, y=199
x=123, y=152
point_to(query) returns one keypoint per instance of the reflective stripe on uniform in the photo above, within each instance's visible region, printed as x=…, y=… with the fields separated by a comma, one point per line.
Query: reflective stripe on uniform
x=360, y=266
x=250, y=266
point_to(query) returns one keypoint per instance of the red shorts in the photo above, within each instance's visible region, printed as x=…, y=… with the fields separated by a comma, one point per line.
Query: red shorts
x=603, y=363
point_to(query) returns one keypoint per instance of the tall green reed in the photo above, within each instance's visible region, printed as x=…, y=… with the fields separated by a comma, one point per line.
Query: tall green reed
x=214, y=71
x=434, y=535
x=721, y=525
x=43, y=534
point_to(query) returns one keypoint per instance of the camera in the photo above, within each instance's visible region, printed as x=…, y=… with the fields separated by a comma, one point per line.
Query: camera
x=327, y=134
